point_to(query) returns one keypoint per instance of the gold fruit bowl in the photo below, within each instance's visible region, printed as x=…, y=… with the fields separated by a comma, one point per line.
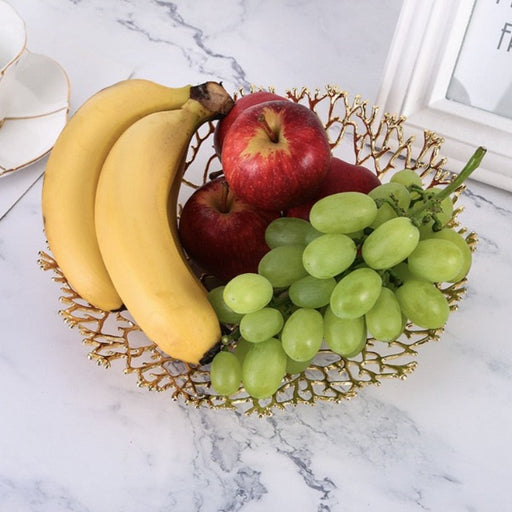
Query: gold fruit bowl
x=358, y=135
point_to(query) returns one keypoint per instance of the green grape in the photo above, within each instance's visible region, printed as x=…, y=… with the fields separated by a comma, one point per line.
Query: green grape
x=224, y=313
x=404, y=320
x=356, y=235
x=456, y=238
x=446, y=213
x=283, y=265
x=286, y=231
x=302, y=334
x=384, y=321
x=311, y=234
x=410, y=179
x=436, y=260
x=247, y=292
x=384, y=213
x=444, y=216
x=407, y=177
x=241, y=349
x=293, y=367
x=402, y=273
x=395, y=192
x=344, y=212
x=329, y=255
x=344, y=336
x=390, y=243
x=311, y=292
x=356, y=293
x=225, y=373
x=423, y=304
x=263, y=368
x=261, y=325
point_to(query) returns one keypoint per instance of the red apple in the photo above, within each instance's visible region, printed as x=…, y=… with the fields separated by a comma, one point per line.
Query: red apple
x=240, y=105
x=221, y=233
x=341, y=177
x=276, y=155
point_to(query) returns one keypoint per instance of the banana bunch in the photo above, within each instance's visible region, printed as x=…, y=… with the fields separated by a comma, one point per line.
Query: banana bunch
x=109, y=208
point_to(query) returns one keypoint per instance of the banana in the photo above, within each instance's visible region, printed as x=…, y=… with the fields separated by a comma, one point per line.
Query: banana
x=71, y=177
x=138, y=236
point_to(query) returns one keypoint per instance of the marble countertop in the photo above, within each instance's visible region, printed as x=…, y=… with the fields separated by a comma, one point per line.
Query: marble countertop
x=77, y=437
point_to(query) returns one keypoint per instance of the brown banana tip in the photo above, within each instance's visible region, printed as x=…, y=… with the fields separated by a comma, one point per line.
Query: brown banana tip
x=210, y=354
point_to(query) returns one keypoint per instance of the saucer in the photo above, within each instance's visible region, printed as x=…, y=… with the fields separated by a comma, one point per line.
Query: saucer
x=34, y=106
x=13, y=37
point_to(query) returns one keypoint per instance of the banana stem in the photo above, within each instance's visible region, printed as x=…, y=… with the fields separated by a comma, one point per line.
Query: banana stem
x=213, y=97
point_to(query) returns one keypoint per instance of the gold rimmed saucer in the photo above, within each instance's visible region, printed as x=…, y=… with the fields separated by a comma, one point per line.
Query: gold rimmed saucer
x=34, y=107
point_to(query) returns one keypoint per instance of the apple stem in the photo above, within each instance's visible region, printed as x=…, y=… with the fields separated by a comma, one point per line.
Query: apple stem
x=215, y=174
x=274, y=137
x=224, y=199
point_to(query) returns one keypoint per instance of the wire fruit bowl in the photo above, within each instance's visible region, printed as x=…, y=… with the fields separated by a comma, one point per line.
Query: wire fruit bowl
x=357, y=134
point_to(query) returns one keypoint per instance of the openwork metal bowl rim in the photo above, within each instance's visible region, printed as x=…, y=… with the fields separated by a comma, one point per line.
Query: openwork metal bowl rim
x=358, y=134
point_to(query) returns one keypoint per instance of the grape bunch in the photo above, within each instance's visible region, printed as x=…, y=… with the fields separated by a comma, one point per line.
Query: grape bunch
x=363, y=265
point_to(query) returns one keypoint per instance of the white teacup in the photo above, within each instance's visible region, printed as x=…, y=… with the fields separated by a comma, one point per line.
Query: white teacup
x=13, y=36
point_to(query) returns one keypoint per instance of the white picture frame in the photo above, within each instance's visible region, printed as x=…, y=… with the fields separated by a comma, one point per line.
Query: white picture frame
x=420, y=64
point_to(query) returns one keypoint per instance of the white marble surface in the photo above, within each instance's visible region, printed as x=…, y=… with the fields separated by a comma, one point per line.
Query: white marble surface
x=76, y=437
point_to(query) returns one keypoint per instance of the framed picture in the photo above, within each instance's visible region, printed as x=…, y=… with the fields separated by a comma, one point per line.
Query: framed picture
x=449, y=70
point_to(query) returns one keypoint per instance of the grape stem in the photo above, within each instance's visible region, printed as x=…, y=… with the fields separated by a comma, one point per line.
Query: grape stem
x=432, y=205
x=393, y=202
x=472, y=164
x=281, y=301
x=230, y=335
